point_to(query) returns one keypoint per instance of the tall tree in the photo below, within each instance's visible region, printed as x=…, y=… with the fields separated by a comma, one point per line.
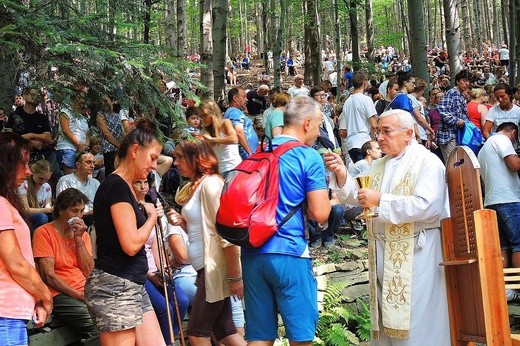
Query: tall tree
x=369, y=29
x=478, y=36
x=278, y=25
x=418, y=39
x=220, y=11
x=353, y=16
x=451, y=18
x=206, y=46
x=170, y=27
x=181, y=28
x=312, y=46
x=337, y=46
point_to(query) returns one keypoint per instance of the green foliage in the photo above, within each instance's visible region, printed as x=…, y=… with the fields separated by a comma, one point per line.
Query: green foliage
x=64, y=52
x=364, y=326
x=335, y=320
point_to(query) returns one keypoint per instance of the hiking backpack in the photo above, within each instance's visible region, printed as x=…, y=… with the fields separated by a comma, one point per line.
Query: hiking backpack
x=247, y=212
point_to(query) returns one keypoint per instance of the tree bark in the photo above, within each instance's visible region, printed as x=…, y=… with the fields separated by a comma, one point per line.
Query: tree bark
x=170, y=29
x=451, y=17
x=220, y=13
x=312, y=43
x=146, y=21
x=206, y=47
x=278, y=28
x=369, y=29
x=513, y=40
x=337, y=38
x=478, y=36
x=181, y=29
x=352, y=6
x=464, y=17
x=496, y=26
x=505, y=28
x=418, y=39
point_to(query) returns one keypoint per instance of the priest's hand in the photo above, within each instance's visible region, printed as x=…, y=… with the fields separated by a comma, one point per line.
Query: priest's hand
x=369, y=198
x=334, y=163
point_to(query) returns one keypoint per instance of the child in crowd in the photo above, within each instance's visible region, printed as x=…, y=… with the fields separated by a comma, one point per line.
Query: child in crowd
x=193, y=120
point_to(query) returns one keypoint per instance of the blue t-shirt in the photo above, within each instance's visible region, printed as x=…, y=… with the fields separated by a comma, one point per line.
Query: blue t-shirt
x=402, y=101
x=237, y=117
x=301, y=171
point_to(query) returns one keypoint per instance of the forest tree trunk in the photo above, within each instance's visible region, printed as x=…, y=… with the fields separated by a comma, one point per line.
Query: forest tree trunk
x=369, y=29
x=170, y=29
x=220, y=13
x=206, y=47
x=312, y=43
x=182, y=44
x=418, y=39
x=451, y=17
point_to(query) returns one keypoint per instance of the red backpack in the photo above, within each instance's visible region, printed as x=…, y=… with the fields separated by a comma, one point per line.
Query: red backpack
x=247, y=213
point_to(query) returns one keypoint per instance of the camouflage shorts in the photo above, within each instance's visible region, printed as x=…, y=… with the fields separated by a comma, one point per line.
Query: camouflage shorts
x=115, y=303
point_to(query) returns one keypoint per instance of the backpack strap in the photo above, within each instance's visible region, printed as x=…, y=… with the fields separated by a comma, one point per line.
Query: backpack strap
x=283, y=148
x=279, y=151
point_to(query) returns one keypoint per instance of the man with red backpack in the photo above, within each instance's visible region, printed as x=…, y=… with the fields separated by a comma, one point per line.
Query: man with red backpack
x=278, y=275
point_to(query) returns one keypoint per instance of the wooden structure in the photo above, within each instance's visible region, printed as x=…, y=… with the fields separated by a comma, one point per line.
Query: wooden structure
x=473, y=262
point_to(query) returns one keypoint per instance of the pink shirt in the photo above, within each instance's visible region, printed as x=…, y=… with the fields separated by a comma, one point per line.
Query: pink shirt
x=15, y=302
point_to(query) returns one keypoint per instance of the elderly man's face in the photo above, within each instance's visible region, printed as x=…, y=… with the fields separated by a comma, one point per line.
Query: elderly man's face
x=392, y=137
x=298, y=82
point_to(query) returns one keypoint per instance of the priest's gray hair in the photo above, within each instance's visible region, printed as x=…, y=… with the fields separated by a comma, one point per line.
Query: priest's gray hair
x=300, y=108
x=404, y=117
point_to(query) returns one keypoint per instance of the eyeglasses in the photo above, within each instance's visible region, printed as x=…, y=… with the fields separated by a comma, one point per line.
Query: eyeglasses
x=320, y=95
x=386, y=132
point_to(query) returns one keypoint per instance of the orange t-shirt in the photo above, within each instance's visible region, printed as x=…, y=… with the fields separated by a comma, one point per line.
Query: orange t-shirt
x=47, y=242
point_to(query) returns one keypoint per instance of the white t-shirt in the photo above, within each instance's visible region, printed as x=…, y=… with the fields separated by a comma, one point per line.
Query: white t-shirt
x=501, y=184
x=498, y=116
x=78, y=124
x=417, y=104
x=89, y=189
x=356, y=111
x=192, y=213
x=43, y=195
x=504, y=53
x=294, y=91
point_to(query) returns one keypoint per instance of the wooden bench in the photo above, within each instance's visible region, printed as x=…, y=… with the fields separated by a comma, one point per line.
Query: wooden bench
x=57, y=333
x=512, y=282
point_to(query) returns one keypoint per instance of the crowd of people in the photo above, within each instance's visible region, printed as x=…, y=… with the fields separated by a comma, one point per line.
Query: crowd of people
x=80, y=234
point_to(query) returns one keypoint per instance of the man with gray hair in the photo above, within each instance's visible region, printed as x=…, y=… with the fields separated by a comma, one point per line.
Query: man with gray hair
x=278, y=275
x=407, y=286
x=256, y=101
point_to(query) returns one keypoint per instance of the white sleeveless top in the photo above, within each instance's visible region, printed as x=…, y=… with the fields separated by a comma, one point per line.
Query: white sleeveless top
x=228, y=156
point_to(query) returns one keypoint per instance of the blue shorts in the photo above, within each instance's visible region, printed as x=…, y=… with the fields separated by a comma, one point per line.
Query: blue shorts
x=13, y=332
x=508, y=215
x=66, y=157
x=279, y=283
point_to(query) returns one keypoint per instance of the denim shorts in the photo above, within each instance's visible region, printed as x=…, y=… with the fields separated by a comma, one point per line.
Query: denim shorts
x=276, y=282
x=115, y=303
x=66, y=157
x=508, y=215
x=13, y=332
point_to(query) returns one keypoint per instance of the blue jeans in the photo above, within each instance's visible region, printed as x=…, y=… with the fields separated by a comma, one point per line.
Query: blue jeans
x=508, y=215
x=335, y=220
x=38, y=219
x=159, y=305
x=13, y=332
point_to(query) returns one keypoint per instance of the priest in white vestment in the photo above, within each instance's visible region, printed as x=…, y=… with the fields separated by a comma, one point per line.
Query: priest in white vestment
x=408, y=289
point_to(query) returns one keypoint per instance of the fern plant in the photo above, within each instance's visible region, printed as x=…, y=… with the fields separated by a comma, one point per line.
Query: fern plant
x=333, y=324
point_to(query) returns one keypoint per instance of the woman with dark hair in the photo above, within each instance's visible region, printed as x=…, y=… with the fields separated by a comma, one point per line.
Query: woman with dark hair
x=215, y=260
x=504, y=111
x=23, y=295
x=122, y=228
x=63, y=253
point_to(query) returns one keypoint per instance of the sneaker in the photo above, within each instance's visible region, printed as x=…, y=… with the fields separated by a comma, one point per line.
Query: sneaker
x=512, y=295
x=315, y=244
x=328, y=243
